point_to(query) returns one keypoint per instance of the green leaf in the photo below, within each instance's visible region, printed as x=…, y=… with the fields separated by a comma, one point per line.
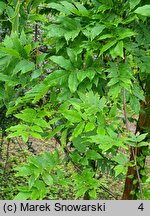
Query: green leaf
x=22, y=196
x=59, y=7
x=15, y=134
x=89, y=127
x=72, y=115
x=8, y=42
x=111, y=133
x=125, y=33
x=137, y=92
x=141, y=137
x=25, y=137
x=4, y=78
x=92, y=194
x=90, y=73
x=2, y=7
x=63, y=137
x=114, y=91
x=24, y=66
x=31, y=181
x=122, y=159
x=42, y=122
x=96, y=30
x=72, y=55
x=36, y=74
x=40, y=58
x=73, y=82
x=80, y=192
x=71, y=34
x=133, y=3
x=27, y=115
x=107, y=46
x=35, y=135
x=36, y=128
x=100, y=129
x=68, y=6
x=81, y=147
x=4, y=61
x=105, y=36
x=11, y=52
x=56, y=31
x=55, y=131
x=35, y=194
x=58, y=77
x=37, y=92
x=117, y=50
x=75, y=156
x=81, y=9
x=113, y=81
x=36, y=163
x=148, y=180
x=10, y=11
x=39, y=17
x=135, y=104
x=101, y=103
x=62, y=62
x=143, y=144
x=105, y=6
x=28, y=49
x=47, y=178
x=119, y=169
x=23, y=38
x=20, y=127
x=81, y=75
x=84, y=162
x=78, y=130
x=39, y=184
x=93, y=155
x=23, y=171
x=144, y=10
x=37, y=3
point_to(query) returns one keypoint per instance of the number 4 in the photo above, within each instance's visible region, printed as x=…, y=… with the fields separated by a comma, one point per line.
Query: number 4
x=141, y=207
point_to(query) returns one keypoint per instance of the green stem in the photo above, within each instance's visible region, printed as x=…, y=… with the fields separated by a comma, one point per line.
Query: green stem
x=15, y=19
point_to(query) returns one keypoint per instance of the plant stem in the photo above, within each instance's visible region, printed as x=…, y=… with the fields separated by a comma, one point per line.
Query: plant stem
x=125, y=110
x=138, y=174
x=132, y=149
